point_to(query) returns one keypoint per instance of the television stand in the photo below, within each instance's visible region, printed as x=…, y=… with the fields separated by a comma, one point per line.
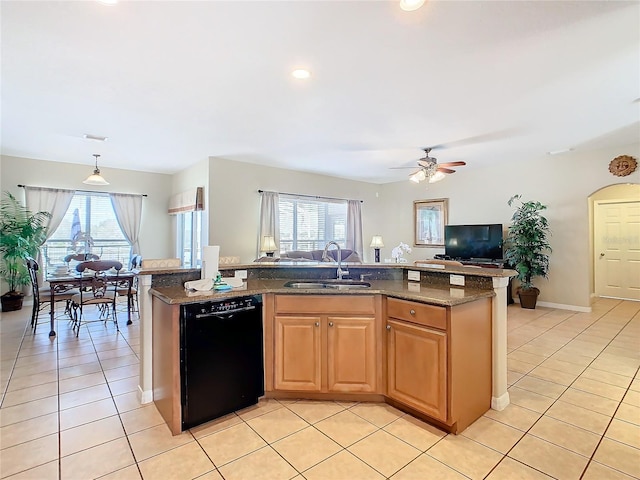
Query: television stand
x=482, y=263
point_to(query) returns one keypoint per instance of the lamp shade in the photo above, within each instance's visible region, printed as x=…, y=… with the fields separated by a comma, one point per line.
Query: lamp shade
x=376, y=242
x=268, y=244
x=95, y=178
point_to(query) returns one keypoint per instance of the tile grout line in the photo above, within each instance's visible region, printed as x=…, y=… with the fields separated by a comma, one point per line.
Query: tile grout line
x=126, y=435
x=567, y=388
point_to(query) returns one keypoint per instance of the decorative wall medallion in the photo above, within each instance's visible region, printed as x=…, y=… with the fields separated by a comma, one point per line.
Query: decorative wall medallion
x=623, y=165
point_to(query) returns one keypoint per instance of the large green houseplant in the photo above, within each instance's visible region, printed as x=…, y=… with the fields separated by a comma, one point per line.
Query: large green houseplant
x=527, y=247
x=21, y=234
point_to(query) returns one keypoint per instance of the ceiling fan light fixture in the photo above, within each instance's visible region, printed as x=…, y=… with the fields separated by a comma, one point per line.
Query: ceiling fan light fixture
x=95, y=178
x=436, y=177
x=411, y=5
x=419, y=176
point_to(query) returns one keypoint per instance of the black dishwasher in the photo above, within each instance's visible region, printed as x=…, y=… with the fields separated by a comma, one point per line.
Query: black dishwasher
x=221, y=358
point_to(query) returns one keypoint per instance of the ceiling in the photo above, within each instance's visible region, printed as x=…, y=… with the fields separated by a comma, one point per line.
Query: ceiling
x=172, y=83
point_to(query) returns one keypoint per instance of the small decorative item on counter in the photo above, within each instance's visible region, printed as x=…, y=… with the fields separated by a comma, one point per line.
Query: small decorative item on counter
x=399, y=251
x=219, y=284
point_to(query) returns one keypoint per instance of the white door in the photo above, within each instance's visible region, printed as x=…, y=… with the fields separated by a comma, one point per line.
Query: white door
x=617, y=249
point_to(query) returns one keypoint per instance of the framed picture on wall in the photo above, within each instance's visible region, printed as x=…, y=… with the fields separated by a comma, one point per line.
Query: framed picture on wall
x=429, y=219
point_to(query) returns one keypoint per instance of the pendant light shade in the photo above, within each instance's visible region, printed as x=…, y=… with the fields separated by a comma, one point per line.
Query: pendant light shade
x=95, y=178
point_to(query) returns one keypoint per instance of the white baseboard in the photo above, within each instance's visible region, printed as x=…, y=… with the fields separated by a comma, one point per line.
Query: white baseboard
x=145, y=396
x=501, y=402
x=560, y=306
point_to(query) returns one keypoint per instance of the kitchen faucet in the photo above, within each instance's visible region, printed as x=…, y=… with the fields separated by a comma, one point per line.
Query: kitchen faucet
x=340, y=272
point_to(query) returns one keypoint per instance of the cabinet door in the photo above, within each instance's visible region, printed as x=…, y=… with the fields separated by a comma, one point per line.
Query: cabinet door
x=298, y=353
x=351, y=354
x=417, y=367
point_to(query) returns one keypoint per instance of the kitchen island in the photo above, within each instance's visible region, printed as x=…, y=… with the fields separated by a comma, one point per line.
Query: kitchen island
x=378, y=323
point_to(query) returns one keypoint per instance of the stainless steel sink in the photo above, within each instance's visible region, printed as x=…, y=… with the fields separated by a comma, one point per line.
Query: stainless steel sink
x=304, y=285
x=335, y=284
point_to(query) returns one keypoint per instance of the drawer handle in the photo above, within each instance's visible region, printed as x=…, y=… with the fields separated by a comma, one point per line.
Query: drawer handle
x=331, y=324
x=388, y=327
x=412, y=311
x=317, y=324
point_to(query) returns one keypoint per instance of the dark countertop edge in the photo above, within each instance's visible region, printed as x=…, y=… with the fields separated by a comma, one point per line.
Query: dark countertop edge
x=477, y=271
x=394, y=289
x=165, y=270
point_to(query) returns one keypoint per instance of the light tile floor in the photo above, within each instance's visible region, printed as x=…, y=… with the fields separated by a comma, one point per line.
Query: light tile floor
x=69, y=411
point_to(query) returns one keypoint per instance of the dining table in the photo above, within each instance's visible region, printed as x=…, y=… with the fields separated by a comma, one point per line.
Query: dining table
x=59, y=283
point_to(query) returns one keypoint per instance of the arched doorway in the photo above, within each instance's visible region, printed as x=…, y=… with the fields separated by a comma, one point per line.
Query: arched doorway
x=614, y=219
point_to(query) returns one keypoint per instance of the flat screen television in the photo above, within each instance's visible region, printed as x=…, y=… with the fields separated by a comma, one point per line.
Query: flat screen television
x=477, y=242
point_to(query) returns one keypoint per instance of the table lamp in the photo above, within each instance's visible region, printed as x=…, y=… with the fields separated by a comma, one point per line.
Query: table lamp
x=268, y=245
x=376, y=244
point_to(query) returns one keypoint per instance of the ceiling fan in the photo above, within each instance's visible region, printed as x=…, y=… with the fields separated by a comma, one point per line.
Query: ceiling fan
x=429, y=169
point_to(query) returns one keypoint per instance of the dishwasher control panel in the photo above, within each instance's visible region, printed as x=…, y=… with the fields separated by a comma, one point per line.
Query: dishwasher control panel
x=230, y=305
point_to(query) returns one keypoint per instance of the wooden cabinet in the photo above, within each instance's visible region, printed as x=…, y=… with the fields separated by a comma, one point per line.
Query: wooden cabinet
x=351, y=354
x=298, y=350
x=417, y=367
x=439, y=359
x=325, y=343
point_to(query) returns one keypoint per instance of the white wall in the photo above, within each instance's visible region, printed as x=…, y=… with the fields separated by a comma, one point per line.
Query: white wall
x=562, y=182
x=155, y=241
x=235, y=202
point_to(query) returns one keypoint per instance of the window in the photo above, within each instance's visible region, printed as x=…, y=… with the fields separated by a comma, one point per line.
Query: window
x=189, y=238
x=89, y=226
x=308, y=224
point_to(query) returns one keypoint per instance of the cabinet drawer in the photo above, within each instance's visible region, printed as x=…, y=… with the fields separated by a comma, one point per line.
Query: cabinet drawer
x=420, y=313
x=334, y=304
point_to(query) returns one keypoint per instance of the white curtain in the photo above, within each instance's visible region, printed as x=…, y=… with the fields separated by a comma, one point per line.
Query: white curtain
x=269, y=219
x=128, y=210
x=354, y=226
x=52, y=200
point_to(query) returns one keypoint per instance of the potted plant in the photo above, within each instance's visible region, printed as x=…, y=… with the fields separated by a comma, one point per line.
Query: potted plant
x=527, y=248
x=21, y=234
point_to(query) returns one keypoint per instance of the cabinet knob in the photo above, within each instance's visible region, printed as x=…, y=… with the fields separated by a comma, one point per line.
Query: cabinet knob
x=388, y=327
x=412, y=311
x=331, y=324
x=317, y=324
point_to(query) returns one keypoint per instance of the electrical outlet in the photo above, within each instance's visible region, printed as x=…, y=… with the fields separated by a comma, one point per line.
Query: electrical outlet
x=413, y=275
x=456, y=280
x=241, y=274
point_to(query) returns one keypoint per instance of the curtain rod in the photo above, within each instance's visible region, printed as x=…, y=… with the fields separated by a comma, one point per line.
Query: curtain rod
x=310, y=196
x=83, y=191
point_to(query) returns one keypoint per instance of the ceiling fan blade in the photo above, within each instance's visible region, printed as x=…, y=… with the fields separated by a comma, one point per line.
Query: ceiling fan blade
x=412, y=174
x=446, y=170
x=452, y=164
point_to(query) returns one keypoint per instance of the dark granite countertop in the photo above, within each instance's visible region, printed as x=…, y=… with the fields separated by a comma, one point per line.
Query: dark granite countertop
x=436, y=294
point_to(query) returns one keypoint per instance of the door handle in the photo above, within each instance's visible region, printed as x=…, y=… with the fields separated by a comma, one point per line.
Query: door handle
x=317, y=324
x=331, y=324
x=602, y=255
x=388, y=327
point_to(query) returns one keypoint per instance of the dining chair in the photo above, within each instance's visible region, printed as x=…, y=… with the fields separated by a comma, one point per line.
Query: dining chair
x=101, y=278
x=123, y=288
x=42, y=296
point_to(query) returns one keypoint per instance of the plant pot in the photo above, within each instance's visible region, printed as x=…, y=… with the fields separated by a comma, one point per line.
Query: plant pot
x=528, y=297
x=11, y=301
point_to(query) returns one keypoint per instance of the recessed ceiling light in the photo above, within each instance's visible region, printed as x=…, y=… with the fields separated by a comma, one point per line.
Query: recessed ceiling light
x=97, y=138
x=301, y=73
x=411, y=5
x=558, y=152
x=108, y=2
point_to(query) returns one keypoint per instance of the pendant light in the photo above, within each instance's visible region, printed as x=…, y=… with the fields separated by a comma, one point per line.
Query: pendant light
x=95, y=178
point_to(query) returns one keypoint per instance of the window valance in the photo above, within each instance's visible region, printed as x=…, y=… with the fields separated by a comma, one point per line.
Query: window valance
x=187, y=201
